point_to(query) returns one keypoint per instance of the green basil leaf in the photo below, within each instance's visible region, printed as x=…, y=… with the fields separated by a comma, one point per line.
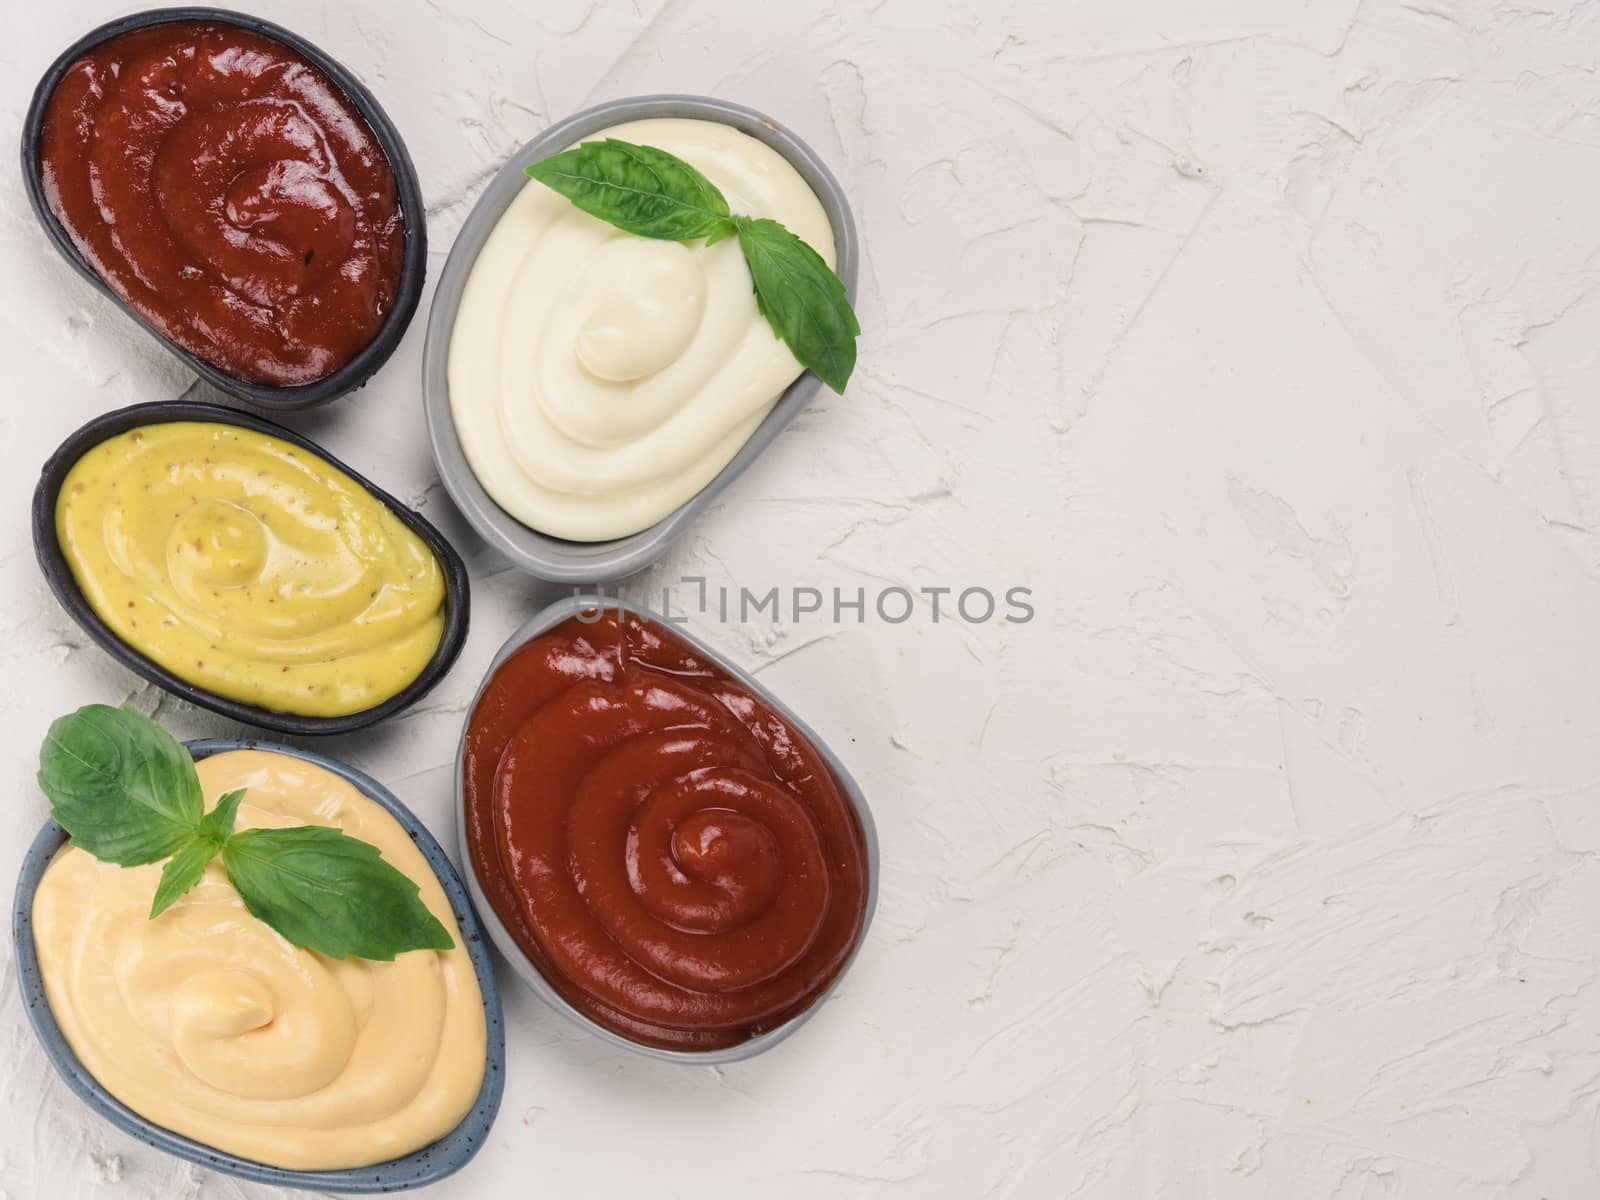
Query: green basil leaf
x=188, y=866
x=650, y=193
x=802, y=299
x=330, y=893
x=639, y=189
x=122, y=787
x=183, y=870
x=218, y=823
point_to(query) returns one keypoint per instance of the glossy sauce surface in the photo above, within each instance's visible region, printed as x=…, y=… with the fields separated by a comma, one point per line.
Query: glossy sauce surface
x=230, y=193
x=209, y=1023
x=598, y=380
x=251, y=567
x=676, y=858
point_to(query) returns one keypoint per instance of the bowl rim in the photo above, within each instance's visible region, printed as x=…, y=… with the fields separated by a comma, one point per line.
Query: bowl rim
x=408, y=195
x=527, y=970
x=58, y=575
x=559, y=560
x=459, y=1146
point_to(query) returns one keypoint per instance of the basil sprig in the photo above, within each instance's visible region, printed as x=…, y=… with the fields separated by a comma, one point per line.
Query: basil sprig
x=650, y=193
x=126, y=791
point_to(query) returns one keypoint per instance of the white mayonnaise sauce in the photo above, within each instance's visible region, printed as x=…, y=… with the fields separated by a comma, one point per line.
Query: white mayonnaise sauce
x=598, y=379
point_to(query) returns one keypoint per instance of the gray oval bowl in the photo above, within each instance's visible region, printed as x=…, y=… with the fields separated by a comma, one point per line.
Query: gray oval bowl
x=557, y=559
x=525, y=968
x=428, y=1165
x=408, y=194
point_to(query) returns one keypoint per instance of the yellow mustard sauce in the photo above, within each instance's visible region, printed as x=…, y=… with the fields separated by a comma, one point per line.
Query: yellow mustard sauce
x=250, y=567
x=209, y=1023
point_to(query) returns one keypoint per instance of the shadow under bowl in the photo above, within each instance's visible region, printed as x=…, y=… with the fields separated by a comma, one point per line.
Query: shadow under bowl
x=53, y=563
x=427, y=1165
x=557, y=559
x=528, y=971
x=408, y=190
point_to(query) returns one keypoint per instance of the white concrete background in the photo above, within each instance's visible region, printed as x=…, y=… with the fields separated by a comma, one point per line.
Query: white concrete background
x=1259, y=338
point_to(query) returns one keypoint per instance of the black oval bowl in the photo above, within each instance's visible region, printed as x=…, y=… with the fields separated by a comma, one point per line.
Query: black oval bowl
x=408, y=192
x=47, y=547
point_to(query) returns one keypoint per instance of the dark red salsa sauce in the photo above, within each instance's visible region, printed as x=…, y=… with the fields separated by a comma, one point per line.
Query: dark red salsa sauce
x=675, y=857
x=228, y=191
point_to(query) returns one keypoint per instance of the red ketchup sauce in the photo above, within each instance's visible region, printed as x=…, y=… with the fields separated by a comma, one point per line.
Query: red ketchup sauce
x=673, y=855
x=230, y=194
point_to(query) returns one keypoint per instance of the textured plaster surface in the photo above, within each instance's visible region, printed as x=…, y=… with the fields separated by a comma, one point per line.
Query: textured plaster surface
x=1259, y=339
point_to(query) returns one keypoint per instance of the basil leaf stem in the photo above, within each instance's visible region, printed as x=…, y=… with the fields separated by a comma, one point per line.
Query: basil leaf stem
x=188, y=866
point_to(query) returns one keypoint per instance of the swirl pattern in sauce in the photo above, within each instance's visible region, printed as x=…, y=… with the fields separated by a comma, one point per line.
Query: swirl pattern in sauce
x=598, y=380
x=251, y=567
x=230, y=193
x=673, y=855
x=209, y=1023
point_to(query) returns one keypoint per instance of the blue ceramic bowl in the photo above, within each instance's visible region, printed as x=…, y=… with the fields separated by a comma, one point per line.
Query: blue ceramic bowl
x=428, y=1165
